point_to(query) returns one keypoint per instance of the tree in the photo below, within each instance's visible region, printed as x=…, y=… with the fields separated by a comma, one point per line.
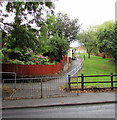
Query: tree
x=107, y=40
x=88, y=38
x=58, y=46
x=28, y=12
x=20, y=32
x=22, y=37
x=67, y=27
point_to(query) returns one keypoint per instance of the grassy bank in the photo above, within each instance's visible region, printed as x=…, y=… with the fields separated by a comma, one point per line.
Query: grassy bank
x=97, y=66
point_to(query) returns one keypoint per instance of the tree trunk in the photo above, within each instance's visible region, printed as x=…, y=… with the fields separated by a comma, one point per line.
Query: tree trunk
x=89, y=56
x=104, y=56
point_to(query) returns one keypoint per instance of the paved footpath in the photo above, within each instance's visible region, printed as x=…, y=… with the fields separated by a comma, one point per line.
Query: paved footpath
x=82, y=99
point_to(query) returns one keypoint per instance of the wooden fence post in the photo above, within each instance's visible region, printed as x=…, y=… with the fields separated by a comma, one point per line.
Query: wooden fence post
x=82, y=80
x=69, y=80
x=111, y=76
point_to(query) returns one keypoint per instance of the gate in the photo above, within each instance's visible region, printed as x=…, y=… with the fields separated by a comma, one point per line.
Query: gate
x=40, y=87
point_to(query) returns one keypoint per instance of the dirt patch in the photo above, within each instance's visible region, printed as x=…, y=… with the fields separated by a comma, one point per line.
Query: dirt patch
x=7, y=92
x=92, y=90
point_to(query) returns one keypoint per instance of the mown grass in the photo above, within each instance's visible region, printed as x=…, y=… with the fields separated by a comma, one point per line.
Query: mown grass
x=97, y=66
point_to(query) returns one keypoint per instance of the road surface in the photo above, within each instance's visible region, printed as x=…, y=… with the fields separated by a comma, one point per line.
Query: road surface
x=81, y=111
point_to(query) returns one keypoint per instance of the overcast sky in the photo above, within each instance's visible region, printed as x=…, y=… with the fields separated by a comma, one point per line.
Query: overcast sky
x=89, y=12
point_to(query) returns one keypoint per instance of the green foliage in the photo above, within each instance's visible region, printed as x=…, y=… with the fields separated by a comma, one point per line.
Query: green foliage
x=17, y=62
x=58, y=46
x=89, y=40
x=101, y=38
x=107, y=42
x=23, y=9
x=19, y=56
x=16, y=53
x=1, y=56
x=39, y=59
x=23, y=37
x=30, y=63
x=67, y=27
x=50, y=35
x=20, y=33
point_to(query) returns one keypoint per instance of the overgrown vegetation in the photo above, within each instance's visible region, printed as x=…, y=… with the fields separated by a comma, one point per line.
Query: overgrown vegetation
x=35, y=28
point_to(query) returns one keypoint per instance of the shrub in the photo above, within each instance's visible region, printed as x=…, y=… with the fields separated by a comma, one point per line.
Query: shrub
x=1, y=56
x=30, y=63
x=58, y=46
x=17, y=62
x=15, y=53
x=39, y=59
x=5, y=60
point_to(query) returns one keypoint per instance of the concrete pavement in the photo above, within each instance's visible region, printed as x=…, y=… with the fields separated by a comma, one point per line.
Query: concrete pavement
x=82, y=99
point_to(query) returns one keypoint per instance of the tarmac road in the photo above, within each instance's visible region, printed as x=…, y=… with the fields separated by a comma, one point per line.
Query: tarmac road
x=81, y=111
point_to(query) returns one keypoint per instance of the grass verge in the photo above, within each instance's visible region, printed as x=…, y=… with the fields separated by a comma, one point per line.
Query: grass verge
x=97, y=66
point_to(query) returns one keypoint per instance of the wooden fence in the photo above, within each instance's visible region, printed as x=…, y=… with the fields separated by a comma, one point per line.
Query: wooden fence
x=70, y=82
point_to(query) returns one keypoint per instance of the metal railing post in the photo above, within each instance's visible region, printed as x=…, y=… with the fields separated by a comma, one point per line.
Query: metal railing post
x=77, y=88
x=41, y=87
x=15, y=81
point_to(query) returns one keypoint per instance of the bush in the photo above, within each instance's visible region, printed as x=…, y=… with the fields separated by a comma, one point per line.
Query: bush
x=30, y=63
x=17, y=62
x=39, y=59
x=27, y=56
x=15, y=53
x=5, y=60
x=58, y=46
x=1, y=56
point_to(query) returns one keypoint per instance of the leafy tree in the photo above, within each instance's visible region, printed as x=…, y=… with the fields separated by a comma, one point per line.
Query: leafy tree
x=28, y=12
x=107, y=38
x=58, y=46
x=20, y=30
x=67, y=27
x=102, y=38
x=46, y=32
x=88, y=38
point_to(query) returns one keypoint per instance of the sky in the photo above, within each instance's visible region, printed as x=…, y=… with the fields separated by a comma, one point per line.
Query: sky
x=89, y=12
